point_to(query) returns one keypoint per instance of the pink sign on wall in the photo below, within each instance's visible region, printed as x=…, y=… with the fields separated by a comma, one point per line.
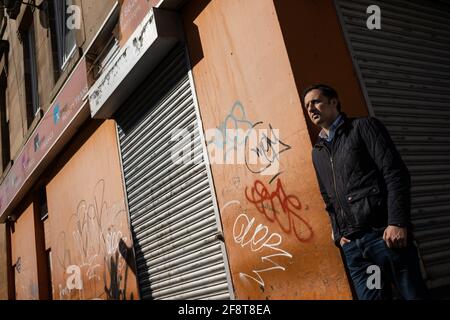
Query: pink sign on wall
x=132, y=12
x=57, y=118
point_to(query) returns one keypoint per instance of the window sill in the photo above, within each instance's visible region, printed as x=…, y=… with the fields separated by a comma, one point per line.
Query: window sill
x=68, y=59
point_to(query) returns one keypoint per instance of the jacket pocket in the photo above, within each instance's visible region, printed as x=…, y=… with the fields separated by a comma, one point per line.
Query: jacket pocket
x=362, y=193
x=364, y=205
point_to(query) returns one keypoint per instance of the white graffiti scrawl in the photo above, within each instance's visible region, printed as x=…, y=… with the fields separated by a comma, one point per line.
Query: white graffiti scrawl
x=257, y=239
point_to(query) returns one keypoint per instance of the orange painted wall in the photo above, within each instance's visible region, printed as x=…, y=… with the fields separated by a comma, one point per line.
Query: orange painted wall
x=90, y=235
x=24, y=256
x=277, y=235
x=318, y=52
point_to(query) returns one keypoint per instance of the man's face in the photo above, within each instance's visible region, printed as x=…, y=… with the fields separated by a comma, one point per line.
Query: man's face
x=321, y=110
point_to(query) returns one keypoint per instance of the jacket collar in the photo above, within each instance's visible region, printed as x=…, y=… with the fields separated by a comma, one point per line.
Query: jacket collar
x=322, y=134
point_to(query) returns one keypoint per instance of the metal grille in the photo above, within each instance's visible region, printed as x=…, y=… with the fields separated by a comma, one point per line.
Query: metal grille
x=405, y=69
x=174, y=224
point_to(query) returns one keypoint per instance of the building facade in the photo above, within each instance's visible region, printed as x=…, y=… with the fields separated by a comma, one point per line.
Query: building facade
x=129, y=168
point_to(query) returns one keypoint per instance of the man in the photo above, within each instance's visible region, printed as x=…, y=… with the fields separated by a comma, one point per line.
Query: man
x=366, y=189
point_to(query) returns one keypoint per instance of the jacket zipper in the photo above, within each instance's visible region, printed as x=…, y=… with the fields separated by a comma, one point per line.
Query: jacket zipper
x=334, y=183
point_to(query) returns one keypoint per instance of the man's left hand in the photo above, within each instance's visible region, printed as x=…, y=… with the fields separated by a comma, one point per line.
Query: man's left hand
x=395, y=237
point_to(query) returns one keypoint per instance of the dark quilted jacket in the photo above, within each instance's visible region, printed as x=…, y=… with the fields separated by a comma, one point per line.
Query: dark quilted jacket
x=362, y=178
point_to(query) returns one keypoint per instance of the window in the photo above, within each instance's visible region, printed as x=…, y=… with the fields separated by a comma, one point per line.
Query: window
x=29, y=55
x=63, y=38
x=4, y=125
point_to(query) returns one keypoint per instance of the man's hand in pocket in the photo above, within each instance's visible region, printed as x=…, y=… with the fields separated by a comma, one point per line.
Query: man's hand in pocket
x=343, y=241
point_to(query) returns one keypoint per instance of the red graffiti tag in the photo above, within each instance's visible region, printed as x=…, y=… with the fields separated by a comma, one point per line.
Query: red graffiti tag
x=287, y=216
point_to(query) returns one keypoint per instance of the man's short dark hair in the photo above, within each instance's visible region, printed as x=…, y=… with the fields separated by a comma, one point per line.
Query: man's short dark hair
x=326, y=90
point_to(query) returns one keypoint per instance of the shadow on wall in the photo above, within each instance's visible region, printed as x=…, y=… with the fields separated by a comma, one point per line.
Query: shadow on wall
x=318, y=53
x=190, y=12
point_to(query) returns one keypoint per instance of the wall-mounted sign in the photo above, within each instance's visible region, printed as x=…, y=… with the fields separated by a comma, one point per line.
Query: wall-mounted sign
x=55, y=121
x=132, y=12
x=157, y=33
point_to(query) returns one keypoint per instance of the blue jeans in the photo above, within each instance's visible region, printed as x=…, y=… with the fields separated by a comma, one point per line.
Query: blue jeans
x=399, y=267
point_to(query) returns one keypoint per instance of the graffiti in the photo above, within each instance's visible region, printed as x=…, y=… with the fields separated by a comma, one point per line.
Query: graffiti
x=260, y=146
x=230, y=203
x=19, y=266
x=281, y=208
x=237, y=140
x=232, y=131
x=112, y=242
x=258, y=240
x=64, y=292
x=266, y=153
x=25, y=281
x=96, y=244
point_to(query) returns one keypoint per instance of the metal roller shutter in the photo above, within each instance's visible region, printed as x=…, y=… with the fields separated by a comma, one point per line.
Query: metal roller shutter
x=173, y=217
x=405, y=70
